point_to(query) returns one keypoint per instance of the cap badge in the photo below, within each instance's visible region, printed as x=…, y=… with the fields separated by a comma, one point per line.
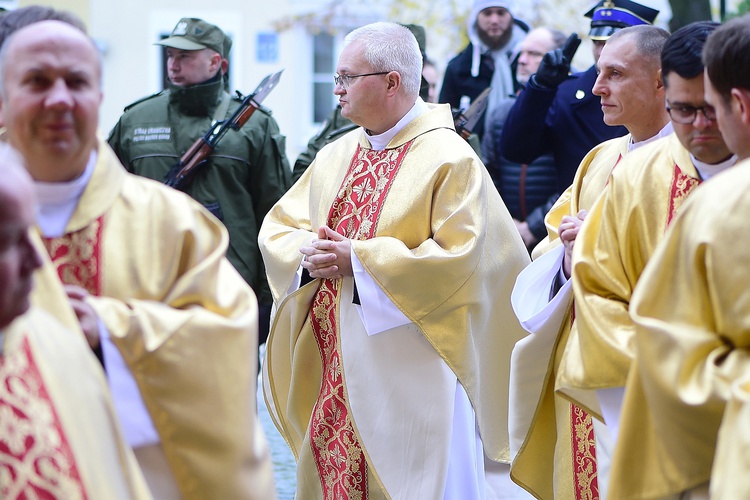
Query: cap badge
x=180, y=29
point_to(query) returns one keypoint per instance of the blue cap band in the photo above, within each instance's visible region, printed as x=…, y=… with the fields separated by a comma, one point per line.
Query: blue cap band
x=615, y=15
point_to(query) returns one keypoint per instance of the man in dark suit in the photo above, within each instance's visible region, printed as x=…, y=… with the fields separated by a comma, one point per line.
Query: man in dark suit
x=556, y=112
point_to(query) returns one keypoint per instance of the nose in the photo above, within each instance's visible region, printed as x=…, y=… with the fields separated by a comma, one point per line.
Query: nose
x=338, y=89
x=599, y=88
x=701, y=121
x=173, y=64
x=59, y=95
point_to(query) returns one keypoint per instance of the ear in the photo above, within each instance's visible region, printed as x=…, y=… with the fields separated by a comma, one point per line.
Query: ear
x=224, y=66
x=393, y=80
x=740, y=101
x=216, y=61
x=660, y=88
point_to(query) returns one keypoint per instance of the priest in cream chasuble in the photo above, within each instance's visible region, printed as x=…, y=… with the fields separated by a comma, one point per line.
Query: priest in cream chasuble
x=622, y=231
x=392, y=382
x=553, y=440
x=692, y=314
x=60, y=435
x=558, y=454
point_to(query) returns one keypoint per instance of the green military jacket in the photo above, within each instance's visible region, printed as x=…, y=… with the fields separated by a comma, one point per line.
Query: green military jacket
x=245, y=176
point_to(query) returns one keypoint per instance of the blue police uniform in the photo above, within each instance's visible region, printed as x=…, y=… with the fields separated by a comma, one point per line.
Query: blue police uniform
x=566, y=121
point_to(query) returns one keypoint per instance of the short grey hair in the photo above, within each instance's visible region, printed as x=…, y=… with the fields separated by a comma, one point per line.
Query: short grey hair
x=391, y=47
x=649, y=41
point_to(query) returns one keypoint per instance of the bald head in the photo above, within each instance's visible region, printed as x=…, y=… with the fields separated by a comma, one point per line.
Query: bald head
x=18, y=256
x=51, y=91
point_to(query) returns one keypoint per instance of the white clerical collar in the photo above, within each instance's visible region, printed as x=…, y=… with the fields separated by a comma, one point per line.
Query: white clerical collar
x=668, y=129
x=707, y=170
x=380, y=141
x=58, y=200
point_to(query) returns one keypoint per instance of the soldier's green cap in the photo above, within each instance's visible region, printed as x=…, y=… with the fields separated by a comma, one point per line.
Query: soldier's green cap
x=196, y=34
x=419, y=34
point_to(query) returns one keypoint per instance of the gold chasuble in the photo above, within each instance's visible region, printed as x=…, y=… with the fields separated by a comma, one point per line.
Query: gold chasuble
x=692, y=314
x=729, y=478
x=621, y=233
x=369, y=415
x=558, y=456
x=183, y=319
x=60, y=435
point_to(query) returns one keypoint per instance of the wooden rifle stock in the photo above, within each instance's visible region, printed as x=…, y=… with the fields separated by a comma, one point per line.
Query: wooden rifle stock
x=182, y=171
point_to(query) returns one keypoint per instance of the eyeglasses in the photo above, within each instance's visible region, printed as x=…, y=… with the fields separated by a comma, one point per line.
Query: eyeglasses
x=346, y=80
x=687, y=114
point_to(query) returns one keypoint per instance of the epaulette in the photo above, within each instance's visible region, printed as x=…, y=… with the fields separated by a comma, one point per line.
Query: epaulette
x=144, y=99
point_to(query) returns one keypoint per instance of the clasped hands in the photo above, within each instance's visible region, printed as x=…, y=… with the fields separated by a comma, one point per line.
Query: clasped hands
x=327, y=256
x=568, y=231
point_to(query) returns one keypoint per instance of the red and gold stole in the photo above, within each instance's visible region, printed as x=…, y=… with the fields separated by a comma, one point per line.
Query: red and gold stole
x=36, y=460
x=682, y=186
x=355, y=213
x=77, y=258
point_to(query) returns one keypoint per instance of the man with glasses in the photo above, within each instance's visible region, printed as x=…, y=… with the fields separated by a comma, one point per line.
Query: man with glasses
x=692, y=309
x=621, y=232
x=391, y=262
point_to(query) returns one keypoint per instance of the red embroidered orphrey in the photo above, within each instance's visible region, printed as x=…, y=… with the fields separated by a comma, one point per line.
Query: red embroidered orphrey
x=36, y=460
x=583, y=444
x=355, y=212
x=76, y=256
x=682, y=186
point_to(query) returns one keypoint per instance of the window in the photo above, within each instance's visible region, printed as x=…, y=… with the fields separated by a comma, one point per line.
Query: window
x=323, y=69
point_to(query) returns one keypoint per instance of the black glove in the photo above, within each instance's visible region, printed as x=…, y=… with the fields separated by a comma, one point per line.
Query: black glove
x=555, y=65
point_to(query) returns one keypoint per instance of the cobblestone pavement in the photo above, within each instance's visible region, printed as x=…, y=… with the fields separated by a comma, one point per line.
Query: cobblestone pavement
x=284, y=467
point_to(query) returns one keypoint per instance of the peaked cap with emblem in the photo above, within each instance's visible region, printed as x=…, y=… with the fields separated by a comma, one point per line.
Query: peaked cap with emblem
x=196, y=34
x=609, y=16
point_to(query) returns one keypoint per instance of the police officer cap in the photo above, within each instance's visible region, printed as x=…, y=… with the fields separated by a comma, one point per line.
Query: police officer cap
x=197, y=34
x=609, y=16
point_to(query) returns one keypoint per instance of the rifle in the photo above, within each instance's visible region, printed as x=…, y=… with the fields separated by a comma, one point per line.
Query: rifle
x=465, y=120
x=181, y=172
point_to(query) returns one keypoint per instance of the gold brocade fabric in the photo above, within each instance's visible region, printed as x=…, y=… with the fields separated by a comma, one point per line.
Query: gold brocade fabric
x=444, y=251
x=183, y=319
x=555, y=460
x=729, y=479
x=36, y=460
x=60, y=435
x=338, y=453
x=691, y=309
x=620, y=235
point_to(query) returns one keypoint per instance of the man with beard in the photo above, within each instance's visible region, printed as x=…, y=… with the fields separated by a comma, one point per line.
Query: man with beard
x=486, y=61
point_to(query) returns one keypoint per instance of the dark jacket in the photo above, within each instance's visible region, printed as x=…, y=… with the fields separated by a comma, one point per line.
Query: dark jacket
x=567, y=122
x=458, y=81
x=246, y=174
x=528, y=189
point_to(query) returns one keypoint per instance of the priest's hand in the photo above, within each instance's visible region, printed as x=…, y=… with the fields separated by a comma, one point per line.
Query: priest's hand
x=86, y=315
x=329, y=256
x=568, y=231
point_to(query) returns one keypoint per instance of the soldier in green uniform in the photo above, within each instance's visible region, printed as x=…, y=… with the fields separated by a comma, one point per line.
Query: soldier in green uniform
x=246, y=174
